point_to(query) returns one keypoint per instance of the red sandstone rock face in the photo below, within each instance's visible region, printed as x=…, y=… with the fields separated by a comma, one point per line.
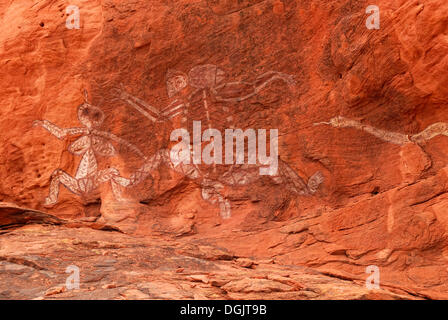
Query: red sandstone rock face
x=361, y=114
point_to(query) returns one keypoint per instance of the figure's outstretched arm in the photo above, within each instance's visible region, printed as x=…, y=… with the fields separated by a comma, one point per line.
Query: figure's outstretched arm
x=240, y=90
x=141, y=106
x=59, y=133
x=174, y=109
x=264, y=79
x=234, y=91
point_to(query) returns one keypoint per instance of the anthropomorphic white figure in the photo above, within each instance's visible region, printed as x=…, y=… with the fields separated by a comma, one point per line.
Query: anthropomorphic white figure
x=91, y=144
x=202, y=81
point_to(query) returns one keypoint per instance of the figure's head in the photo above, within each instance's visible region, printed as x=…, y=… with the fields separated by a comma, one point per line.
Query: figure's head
x=89, y=115
x=175, y=82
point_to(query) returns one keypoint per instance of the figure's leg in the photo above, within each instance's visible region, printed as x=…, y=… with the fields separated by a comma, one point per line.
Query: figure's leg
x=144, y=171
x=211, y=193
x=117, y=181
x=112, y=175
x=315, y=181
x=209, y=189
x=240, y=175
x=190, y=170
x=224, y=207
x=295, y=183
x=59, y=176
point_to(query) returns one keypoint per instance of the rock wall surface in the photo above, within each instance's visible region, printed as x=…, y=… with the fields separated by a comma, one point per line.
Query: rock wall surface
x=86, y=117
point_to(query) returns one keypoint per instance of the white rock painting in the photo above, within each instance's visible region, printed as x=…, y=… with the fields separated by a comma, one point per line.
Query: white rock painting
x=436, y=129
x=206, y=79
x=91, y=144
x=209, y=79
